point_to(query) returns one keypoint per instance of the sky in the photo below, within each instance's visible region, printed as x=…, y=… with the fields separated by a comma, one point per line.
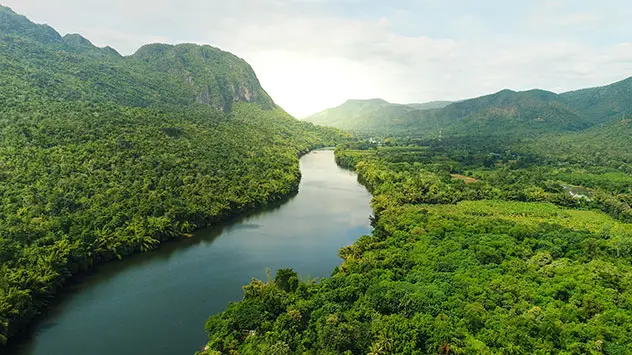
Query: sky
x=311, y=55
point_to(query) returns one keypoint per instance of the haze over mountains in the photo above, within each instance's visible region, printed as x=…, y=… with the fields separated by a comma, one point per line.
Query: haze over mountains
x=371, y=115
x=481, y=243
x=505, y=112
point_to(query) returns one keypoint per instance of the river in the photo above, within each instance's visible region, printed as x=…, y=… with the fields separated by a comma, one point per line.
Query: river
x=157, y=303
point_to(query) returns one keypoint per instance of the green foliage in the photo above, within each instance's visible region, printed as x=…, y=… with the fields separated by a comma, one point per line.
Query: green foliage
x=474, y=277
x=286, y=280
x=84, y=184
x=102, y=156
x=506, y=113
x=509, y=263
x=373, y=116
x=598, y=147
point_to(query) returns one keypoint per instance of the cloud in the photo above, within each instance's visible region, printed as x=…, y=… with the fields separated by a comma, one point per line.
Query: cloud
x=558, y=13
x=314, y=54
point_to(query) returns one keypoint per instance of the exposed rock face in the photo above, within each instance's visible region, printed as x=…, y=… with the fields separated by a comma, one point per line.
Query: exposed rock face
x=191, y=74
x=204, y=97
x=212, y=76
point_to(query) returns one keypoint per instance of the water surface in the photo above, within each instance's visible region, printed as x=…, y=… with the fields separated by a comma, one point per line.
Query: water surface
x=157, y=303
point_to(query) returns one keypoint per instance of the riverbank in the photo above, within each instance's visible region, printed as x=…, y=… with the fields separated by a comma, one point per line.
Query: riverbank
x=130, y=307
x=448, y=270
x=175, y=230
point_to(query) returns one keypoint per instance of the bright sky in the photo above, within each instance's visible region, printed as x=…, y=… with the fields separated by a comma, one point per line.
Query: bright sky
x=314, y=54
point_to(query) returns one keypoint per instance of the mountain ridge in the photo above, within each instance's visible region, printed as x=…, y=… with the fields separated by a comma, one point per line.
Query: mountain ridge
x=189, y=74
x=80, y=44
x=377, y=109
x=430, y=105
x=14, y=23
x=530, y=112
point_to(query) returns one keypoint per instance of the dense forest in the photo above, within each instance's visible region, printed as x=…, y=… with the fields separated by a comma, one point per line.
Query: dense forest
x=481, y=245
x=102, y=155
x=502, y=224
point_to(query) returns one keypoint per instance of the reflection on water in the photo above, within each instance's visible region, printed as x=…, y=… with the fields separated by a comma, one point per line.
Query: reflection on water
x=579, y=191
x=157, y=303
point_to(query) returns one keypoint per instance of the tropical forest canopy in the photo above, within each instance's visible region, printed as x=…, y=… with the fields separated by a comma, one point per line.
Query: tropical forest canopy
x=502, y=225
x=103, y=155
x=480, y=246
x=510, y=232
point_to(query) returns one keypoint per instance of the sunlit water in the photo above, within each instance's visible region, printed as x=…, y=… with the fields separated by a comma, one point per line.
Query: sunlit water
x=157, y=303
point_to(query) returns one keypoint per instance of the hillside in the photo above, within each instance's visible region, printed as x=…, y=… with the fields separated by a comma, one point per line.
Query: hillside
x=507, y=112
x=72, y=68
x=601, y=104
x=607, y=144
x=102, y=156
x=432, y=105
x=372, y=116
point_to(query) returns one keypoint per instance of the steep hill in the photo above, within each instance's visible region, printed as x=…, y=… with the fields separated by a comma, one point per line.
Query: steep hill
x=14, y=24
x=212, y=76
x=72, y=68
x=102, y=156
x=504, y=113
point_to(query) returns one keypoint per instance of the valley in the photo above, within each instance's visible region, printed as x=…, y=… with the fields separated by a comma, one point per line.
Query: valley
x=162, y=202
x=158, y=302
x=104, y=156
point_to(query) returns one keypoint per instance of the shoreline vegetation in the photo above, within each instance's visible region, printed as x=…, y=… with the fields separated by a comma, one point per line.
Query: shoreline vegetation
x=502, y=224
x=103, y=155
x=486, y=267
x=24, y=332
x=35, y=272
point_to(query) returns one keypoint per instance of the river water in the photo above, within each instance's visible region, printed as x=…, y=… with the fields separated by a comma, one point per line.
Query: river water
x=157, y=303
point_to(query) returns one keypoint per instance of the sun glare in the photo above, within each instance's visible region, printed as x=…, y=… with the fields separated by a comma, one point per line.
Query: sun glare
x=331, y=81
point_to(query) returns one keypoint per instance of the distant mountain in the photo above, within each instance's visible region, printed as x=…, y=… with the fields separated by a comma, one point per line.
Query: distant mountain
x=506, y=112
x=375, y=115
x=432, y=105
